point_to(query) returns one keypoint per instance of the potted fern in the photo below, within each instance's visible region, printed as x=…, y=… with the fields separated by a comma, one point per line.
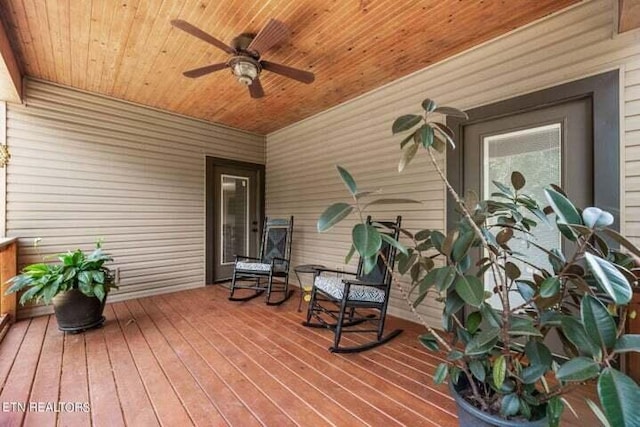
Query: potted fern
x=77, y=287
x=500, y=367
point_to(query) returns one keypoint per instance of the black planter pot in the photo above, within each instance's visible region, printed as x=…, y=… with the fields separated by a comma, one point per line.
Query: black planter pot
x=77, y=312
x=470, y=416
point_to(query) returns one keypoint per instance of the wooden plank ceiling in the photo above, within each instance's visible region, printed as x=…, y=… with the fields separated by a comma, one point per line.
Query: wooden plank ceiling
x=127, y=48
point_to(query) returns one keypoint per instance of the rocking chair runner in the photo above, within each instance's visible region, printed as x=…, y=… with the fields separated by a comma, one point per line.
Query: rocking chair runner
x=350, y=305
x=273, y=262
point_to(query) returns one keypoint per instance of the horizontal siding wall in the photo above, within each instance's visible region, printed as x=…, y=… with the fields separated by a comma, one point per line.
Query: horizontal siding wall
x=301, y=177
x=85, y=167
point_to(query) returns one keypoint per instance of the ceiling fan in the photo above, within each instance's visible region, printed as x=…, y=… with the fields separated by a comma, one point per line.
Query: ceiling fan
x=246, y=51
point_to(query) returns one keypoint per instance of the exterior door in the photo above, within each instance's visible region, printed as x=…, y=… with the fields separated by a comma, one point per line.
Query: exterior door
x=551, y=145
x=234, y=214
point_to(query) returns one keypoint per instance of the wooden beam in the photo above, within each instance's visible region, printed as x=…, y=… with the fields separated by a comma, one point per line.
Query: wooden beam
x=8, y=269
x=10, y=75
x=629, y=15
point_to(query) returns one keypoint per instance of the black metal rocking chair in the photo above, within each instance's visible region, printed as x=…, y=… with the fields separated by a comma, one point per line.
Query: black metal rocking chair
x=273, y=262
x=358, y=304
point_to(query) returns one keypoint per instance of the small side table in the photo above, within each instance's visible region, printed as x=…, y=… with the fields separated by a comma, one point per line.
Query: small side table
x=305, y=269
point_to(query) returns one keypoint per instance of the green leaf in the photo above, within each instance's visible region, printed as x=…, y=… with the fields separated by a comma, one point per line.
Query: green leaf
x=554, y=411
x=525, y=290
x=333, y=215
x=429, y=105
x=366, y=238
x=574, y=331
x=405, y=262
x=596, y=218
x=470, y=289
x=450, y=111
x=532, y=373
x=429, y=342
x=445, y=132
x=393, y=242
x=406, y=140
x=598, y=413
x=440, y=374
x=426, y=136
x=510, y=405
x=445, y=277
x=482, y=342
x=438, y=239
x=369, y=263
x=405, y=122
x=517, y=180
x=538, y=353
x=50, y=291
x=512, y=271
x=563, y=208
x=455, y=355
x=622, y=241
x=407, y=155
x=597, y=321
x=98, y=291
x=626, y=343
x=550, y=287
x=477, y=369
x=522, y=326
x=499, y=371
x=610, y=279
x=352, y=251
x=29, y=294
x=490, y=315
x=348, y=180
x=578, y=369
x=462, y=245
x=620, y=398
x=506, y=190
x=473, y=321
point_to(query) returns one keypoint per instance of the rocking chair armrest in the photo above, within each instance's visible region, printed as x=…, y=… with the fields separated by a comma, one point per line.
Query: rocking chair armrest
x=349, y=282
x=276, y=258
x=239, y=257
x=331, y=270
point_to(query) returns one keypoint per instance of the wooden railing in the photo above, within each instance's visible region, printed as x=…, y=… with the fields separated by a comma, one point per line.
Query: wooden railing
x=8, y=269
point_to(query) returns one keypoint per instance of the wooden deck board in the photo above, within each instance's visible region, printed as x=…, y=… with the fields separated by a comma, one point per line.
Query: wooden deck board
x=220, y=393
x=194, y=358
x=134, y=402
x=166, y=403
x=105, y=408
x=46, y=384
x=200, y=408
x=18, y=385
x=74, y=381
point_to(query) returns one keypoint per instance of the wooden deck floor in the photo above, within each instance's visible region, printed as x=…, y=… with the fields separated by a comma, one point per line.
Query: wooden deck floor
x=194, y=358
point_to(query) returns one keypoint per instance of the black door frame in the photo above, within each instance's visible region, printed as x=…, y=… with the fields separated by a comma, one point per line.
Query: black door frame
x=210, y=228
x=604, y=91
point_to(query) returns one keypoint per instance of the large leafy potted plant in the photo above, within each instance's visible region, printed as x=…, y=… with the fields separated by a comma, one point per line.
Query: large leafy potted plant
x=77, y=287
x=500, y=366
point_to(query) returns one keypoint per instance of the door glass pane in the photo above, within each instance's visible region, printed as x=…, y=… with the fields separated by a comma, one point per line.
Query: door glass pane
x=235, y=217
x=535, y=152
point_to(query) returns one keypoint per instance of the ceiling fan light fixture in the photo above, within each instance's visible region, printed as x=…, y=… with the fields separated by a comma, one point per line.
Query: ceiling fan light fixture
x=245, y=69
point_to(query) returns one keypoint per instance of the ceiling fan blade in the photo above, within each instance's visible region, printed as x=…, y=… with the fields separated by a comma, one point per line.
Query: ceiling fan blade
x=198, y=72
x=255, y=88
x=197, y=32
x=292, y=73
x=270, y=35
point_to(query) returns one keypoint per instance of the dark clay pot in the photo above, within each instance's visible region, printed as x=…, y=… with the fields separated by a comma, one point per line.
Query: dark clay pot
x=470, y=416
x=77, y=312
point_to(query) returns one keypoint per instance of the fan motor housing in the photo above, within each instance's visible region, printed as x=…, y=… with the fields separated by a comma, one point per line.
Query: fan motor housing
x=245, y=68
